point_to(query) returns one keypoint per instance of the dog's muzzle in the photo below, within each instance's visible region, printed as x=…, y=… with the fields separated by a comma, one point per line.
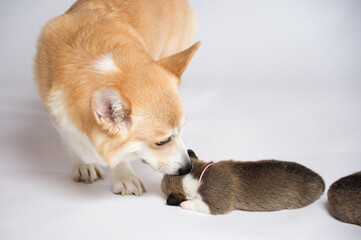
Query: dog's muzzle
x=185, y=170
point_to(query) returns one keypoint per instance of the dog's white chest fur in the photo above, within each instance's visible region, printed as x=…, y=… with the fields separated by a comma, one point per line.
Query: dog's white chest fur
x=80, y=144
x=73, y=139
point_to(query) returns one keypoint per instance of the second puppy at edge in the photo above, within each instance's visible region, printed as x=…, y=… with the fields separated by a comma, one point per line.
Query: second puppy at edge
x=266, y=185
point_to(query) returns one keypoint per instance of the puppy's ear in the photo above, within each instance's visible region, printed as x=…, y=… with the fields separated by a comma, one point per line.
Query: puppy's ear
x=191, y=154
x=111, y=111
x=175, y=199
x=178, y=62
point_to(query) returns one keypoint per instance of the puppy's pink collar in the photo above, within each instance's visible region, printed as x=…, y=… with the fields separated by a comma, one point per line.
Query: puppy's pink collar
x=204, y=170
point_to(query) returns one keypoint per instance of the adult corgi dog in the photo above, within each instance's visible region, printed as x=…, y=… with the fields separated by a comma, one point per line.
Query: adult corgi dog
x=108, y=73
x=266, y=185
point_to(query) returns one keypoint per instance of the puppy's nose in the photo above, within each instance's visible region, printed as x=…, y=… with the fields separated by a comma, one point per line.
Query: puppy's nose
x=185, y=170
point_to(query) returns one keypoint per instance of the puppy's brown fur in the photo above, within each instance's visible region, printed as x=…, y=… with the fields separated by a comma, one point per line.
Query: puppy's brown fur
x=266, y=185
x=344, y=198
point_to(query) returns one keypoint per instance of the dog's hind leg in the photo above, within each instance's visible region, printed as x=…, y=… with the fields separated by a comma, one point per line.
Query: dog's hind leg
x=124, y=180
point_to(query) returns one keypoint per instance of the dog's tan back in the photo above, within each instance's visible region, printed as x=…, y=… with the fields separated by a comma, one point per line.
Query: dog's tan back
x=163, y=26
x=97, y=27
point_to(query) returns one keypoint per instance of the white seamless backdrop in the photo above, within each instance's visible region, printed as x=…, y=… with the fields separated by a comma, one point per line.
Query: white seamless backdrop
x=272, y=79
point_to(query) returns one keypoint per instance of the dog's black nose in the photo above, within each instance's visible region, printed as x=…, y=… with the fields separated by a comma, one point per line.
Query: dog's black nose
x=185, y=170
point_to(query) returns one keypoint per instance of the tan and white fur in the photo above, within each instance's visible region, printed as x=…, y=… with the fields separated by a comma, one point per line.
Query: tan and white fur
x=266, y=185
x=108, y=73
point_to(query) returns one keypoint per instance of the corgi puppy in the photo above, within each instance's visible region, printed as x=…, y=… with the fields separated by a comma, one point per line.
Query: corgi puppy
x=344, y=199
x=266, y=185
x=108, y=73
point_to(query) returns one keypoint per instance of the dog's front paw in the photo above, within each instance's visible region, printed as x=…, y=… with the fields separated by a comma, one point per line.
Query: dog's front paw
x=87, y=173
x=128, y=185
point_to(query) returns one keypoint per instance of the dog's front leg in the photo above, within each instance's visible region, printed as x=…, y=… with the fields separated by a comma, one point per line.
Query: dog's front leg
x=124, y=180
x=84, y=172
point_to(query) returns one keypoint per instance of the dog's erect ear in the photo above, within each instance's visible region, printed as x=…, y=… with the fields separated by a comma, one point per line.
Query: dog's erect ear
x=175, y=199
x=191, y=154
x=178, y=62
x=111, y=111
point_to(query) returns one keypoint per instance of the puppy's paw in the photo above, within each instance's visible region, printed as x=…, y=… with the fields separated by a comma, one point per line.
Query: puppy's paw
x=128, y=185
x=187, y=205
x=196, y=205
x=87, y=173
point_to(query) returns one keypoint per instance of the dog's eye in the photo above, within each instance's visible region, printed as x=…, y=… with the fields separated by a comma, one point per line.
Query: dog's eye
x=163, y=142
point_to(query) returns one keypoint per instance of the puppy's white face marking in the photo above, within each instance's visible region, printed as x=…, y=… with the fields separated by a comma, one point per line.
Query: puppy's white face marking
x=190, y=186
x=75, y=140
x=106, y=64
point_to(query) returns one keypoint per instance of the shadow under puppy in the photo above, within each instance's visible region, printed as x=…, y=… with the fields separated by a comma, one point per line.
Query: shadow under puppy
x=266, y=185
